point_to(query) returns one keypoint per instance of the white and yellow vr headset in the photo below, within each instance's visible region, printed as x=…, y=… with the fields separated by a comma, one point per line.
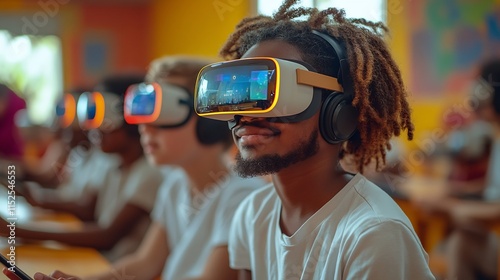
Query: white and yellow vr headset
x=260, y=87
x=161, y=104
x=280, y=90
x=101, y=110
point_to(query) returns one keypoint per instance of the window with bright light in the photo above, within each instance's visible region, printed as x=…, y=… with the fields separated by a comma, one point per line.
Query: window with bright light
x=373, y=10
x=32, y=67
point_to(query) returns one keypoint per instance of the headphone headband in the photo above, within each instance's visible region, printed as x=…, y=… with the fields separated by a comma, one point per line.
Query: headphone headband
x=338, y=117
x=344, y=74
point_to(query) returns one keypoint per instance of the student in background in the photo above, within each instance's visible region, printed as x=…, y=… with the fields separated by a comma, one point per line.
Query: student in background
x=58, y=145
x=194, y=208
x=81, y=175
x=11, y=144
x=10, y=141
x=121, y=208
x=472, y=248
x=69, y=146
x=35, y=150
x=468, y=150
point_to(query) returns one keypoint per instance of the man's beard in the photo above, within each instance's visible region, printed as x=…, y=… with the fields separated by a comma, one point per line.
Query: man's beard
x=270, y=164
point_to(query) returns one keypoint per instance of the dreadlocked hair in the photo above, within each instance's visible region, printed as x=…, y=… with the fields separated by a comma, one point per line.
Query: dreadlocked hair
x=379, y=92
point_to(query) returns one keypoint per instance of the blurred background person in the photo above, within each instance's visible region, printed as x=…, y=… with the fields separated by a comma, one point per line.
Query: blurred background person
x=82, y=173
x=121, y=206
x=469, y=150
x=51, y=167
x=472, y=198
x=196, y=203
x=42, y=162
x=11, y=144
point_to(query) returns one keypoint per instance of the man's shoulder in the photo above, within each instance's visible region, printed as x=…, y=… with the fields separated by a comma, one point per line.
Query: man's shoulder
x=369, y=205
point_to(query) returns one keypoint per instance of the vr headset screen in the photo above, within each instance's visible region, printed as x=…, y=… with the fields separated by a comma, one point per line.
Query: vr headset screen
x=238, y=88
x=90, y=110
x=260, y=86
x=66, y=110
x=143, y=101
x=160, y=104
x=87, y=108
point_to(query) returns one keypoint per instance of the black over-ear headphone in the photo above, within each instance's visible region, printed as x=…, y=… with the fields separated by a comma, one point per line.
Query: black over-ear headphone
x=338, y=118
x=210, y=131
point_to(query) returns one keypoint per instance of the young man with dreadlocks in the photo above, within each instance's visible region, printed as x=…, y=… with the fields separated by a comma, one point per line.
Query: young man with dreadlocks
x=317, y=221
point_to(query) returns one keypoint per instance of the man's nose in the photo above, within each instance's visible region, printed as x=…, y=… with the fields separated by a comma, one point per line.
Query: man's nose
x=247, y=119
x=238, y=119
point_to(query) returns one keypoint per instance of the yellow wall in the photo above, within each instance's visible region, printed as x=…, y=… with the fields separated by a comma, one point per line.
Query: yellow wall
x=10, y=5
x=431, y=108
x=194, y=27
x=427, y=113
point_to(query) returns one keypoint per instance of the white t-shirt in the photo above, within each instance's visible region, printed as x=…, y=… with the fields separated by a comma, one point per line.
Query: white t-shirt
x=87, y=172
x=361, y=233
x=137, y=185
x=196, y=225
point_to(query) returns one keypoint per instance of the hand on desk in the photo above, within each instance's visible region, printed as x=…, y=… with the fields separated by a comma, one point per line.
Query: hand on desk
x=30, y=191
x=56, y=275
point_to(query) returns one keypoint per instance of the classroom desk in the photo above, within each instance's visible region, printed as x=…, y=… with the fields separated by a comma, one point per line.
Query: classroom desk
x=431, y=228
x=48, y=256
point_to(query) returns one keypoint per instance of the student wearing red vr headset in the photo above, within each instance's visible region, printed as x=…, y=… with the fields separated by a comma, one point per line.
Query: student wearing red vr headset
x=299, y=95
x=197, y=201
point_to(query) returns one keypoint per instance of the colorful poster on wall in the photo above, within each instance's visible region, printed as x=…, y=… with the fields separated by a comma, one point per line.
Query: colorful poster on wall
x=448, y=40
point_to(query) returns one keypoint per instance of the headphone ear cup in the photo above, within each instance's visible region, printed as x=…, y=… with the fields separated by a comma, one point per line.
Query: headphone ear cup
x=210, y=131
x=338, y=118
